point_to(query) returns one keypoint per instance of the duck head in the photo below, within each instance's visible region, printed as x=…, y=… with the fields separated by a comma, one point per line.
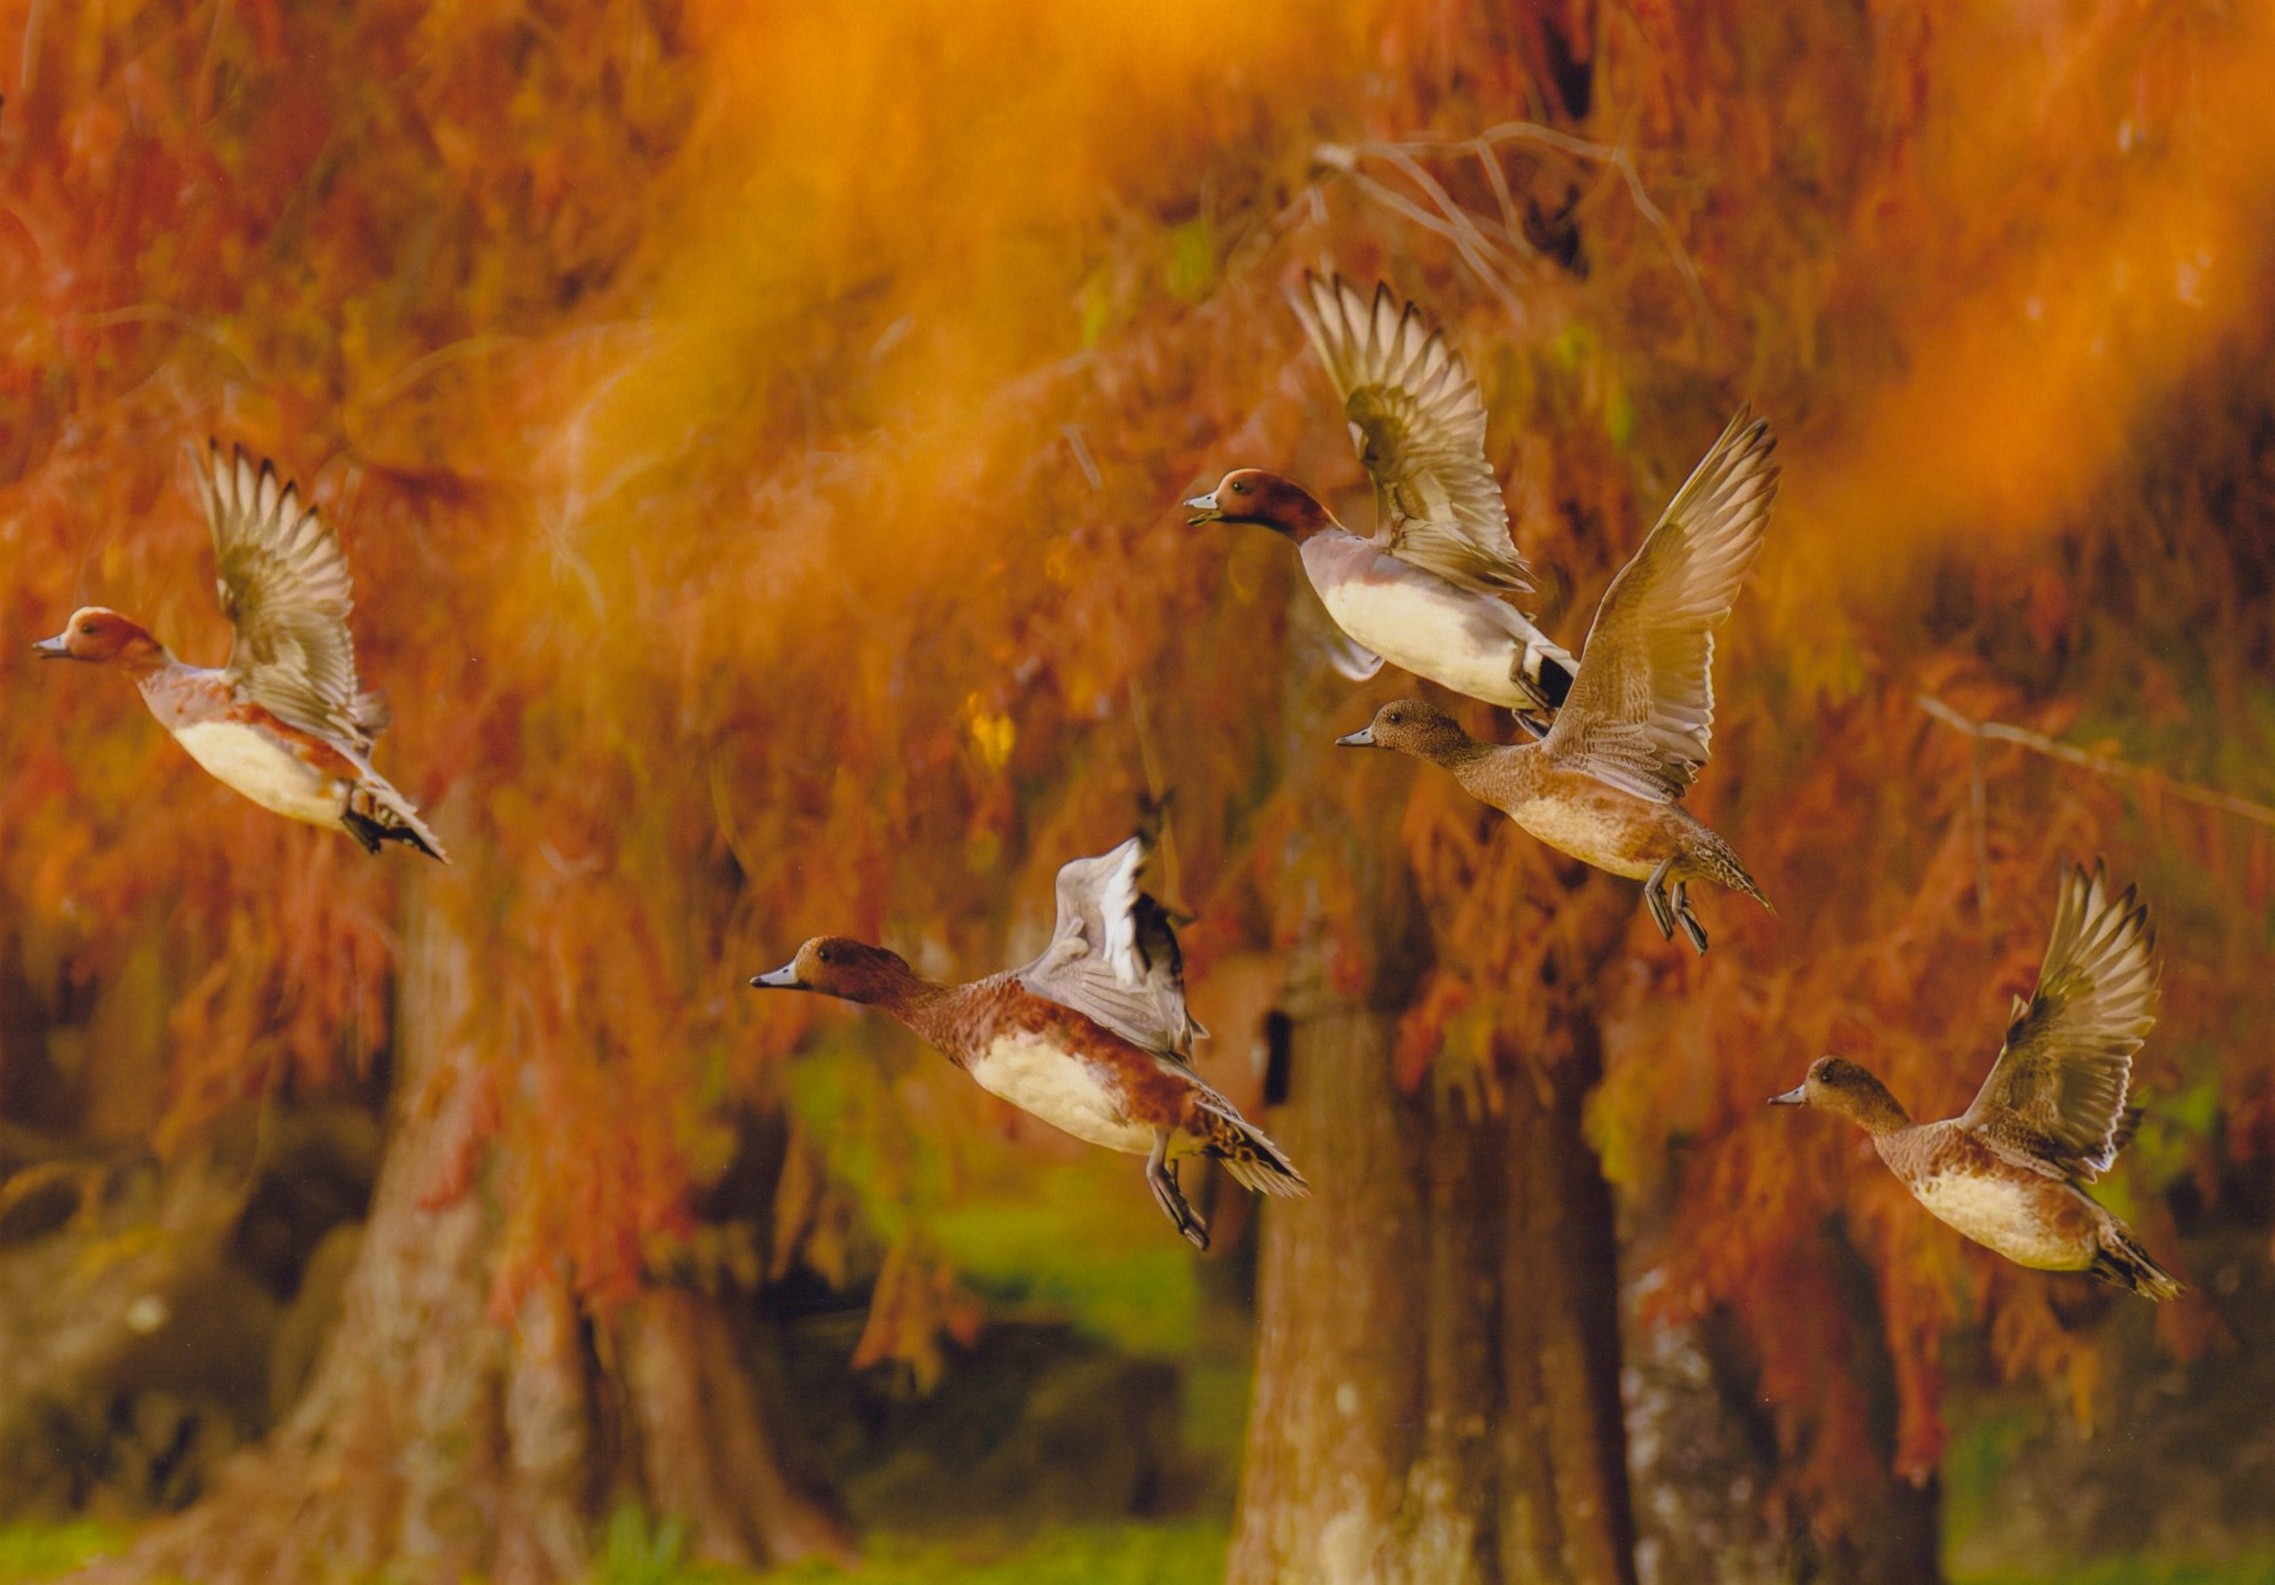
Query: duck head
x=101, y=636
x=1410, y=726
x=1848, y=1088
x=840, y=966
x=1250, y=495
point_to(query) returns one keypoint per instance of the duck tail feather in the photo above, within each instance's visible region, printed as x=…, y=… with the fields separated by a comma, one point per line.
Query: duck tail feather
x=1248, y=1153
x=378, y=813
x=2123, y=1262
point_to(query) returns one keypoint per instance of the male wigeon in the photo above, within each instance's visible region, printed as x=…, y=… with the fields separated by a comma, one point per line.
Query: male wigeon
x=1605, y=784
x=1092, y=1037
x=284, y=722
x=2009, y=1171
x=1426, y=591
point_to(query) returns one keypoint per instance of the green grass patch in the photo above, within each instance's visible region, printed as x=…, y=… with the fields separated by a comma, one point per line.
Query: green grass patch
x=1134, y=1554
x=638, y=1551
x=43, y=1551
x=1085, y=1244
x=2256, y=1570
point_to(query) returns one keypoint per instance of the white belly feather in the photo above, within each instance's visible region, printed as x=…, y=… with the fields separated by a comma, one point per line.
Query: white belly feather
x=2001, y=1214
x=264, y=770
x=1421, y=623
x=1044, y=1081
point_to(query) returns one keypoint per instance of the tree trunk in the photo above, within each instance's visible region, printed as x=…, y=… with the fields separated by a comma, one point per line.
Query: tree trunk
x=1437, y=1390
x=1437, y=1382
x=435, y=1443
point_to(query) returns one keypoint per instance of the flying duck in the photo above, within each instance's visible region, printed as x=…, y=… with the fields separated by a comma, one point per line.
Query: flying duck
x=285, y=722
x=1429, y=589
x=1605, y=784
x=1092, y=1037
x=2009, y=1172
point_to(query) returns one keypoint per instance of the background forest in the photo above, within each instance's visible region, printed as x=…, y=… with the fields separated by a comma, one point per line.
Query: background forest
x=756, y=431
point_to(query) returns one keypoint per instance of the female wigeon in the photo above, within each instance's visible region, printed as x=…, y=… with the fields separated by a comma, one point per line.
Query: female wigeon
x=284, y=722
x=1092, y=1037
x=2008, y=1172
x=1605, y=784
x=1426, y=591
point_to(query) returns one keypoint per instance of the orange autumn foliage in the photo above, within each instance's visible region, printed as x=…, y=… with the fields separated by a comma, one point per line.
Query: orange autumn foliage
x=755, y=431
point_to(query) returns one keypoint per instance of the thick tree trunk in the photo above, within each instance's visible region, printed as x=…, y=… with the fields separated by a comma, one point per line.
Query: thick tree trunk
x=1437, y=1392
x=1437, y=1382
x=433, y=1442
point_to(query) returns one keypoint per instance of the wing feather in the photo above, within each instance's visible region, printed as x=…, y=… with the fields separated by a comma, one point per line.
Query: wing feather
x=1114, y=956
x=284, y=586
x=1641, y=711
x=1418, y=420
x=2055, y=1098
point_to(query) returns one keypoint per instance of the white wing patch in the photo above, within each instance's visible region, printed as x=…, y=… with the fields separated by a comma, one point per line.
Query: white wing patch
x=1117, y=908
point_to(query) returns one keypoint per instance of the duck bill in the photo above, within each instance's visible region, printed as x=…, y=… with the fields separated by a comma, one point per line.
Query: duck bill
x=784, y=978
x=1797, y=1096
x=56, y=648
x=1362, y=738
x=1204, y=510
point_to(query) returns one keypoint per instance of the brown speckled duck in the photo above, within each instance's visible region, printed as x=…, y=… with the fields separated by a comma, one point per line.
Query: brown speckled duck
x=2009, y=1171
x=1605, y=784
x=1092, y=1037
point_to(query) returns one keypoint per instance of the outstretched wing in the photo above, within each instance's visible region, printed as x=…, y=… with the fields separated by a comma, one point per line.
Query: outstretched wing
x=284, y=587
x=2055, y=1099
x=1420, y=426
x=1641, y=711
x=1114, y=956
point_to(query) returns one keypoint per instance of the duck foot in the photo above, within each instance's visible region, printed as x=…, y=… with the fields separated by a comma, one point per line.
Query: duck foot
x=1688, y=920
x=1161, y=1177
x=1655, y=898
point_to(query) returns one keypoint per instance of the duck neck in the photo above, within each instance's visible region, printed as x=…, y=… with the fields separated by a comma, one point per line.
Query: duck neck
x=917, y=1002
x=1469, y=760
x=144, y=661
x=1873, y=1109
x=1299, y=515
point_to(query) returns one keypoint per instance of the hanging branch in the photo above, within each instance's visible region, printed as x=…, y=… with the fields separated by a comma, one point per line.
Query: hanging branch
x=2100, y=764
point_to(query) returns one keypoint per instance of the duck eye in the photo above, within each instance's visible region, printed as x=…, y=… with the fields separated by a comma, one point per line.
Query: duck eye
x=87, y=629
x=1240, y=489
x=1394, y=718
x=823, y=954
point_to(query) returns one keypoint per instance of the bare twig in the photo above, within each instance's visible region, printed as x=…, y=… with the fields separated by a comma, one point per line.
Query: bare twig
x=1082, y=457
x=1615, y=156
x=2100, y=764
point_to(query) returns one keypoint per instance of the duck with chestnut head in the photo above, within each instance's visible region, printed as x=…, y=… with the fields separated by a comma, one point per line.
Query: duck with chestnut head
x=1092, y=1037
x=1606, y=783
x=284, y=722
x=1429, y=590
x=2010, y=1171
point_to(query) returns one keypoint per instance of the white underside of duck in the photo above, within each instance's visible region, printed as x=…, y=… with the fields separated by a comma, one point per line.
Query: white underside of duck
x=2001, y=1214
x=1045, y=1080
x=264, y=770
x=1416, y=620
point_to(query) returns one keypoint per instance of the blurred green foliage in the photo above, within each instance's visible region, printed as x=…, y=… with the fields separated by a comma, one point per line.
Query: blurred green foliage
x=2258, y=1570
x=38, y=1552
x=636, y=1550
